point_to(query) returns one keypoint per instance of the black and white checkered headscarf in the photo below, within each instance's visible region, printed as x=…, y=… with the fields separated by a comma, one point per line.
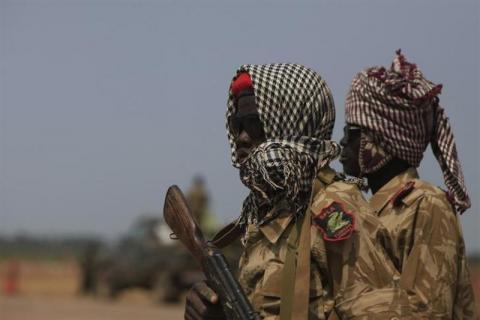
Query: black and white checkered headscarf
x=297, y=111
x=400, y=110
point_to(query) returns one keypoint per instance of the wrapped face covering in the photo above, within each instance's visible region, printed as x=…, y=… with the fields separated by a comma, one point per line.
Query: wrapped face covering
x=399, y=112
x=371, y=155
x=297, y=112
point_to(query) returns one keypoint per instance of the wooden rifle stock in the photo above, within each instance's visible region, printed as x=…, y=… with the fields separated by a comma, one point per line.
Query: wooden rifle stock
x=178, y=216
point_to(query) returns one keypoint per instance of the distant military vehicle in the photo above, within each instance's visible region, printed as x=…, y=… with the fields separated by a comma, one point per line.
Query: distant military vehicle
x=146, y=258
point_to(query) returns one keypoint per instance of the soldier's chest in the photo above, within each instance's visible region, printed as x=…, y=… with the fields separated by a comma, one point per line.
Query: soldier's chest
x=400, y=224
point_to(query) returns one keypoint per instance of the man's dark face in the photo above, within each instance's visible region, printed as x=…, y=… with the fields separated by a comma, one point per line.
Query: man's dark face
x=246, y=126
x=351, y=149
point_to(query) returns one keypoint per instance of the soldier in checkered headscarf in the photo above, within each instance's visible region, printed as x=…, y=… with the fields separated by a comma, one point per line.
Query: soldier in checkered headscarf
x=392, y=115
x=279, y=122
x=296, y=109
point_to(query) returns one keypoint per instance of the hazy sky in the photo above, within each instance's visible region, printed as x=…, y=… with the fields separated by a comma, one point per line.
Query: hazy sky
x=104, y=104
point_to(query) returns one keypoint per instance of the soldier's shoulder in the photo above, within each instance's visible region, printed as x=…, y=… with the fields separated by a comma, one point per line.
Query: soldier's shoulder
x=342, y=190
x=342, y=186
x=336, y=209
x=429, y=193
x=345, y=184
x=339, y=187
x=428, y=188
x=432, y=191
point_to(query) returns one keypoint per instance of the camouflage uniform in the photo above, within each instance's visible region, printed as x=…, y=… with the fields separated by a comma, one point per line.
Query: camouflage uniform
x=198, y=200
x=352, y=276
x=427, y=247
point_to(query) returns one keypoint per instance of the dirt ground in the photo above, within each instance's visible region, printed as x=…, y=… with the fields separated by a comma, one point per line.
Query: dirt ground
x=48, y=290
x=44, y=308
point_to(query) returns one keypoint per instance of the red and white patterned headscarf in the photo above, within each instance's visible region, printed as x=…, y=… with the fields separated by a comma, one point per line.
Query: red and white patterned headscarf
x=400, y=111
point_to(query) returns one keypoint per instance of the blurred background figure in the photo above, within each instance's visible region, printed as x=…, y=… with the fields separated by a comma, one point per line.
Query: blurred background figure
x=88, y=267
x=12, y=277
x=199, y=201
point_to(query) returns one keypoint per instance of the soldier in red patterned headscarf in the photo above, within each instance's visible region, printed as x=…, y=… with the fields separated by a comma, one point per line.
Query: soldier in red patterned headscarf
x=392, y=115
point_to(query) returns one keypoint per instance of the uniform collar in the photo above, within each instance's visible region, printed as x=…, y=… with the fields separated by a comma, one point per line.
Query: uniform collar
x=275, y=228
x=380, y=199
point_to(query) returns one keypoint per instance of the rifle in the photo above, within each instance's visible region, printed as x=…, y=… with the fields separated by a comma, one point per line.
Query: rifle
x=178, y=216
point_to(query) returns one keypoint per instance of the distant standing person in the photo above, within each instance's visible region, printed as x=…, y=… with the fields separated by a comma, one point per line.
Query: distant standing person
x=88, y=266
x=392, y=115
x=12, y=277
x=199, y=202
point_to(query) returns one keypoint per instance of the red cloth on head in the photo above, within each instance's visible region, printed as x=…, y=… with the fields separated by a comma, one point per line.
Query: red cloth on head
x=242, y=82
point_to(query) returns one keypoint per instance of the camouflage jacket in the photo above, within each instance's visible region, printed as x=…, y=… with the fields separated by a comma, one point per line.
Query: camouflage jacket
x=427, y=247
x=350, y=274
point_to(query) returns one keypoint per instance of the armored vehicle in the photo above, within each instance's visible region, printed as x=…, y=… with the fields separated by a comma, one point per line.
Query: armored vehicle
x=146, y=257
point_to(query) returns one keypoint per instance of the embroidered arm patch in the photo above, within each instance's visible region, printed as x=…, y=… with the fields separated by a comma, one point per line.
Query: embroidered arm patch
x=335, y=222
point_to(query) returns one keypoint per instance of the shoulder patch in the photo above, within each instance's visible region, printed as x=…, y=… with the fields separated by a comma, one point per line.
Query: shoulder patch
x=335, y=222
x=402, y=193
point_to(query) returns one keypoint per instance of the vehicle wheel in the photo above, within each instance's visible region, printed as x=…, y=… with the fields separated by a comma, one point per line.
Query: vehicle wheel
x=163, y=289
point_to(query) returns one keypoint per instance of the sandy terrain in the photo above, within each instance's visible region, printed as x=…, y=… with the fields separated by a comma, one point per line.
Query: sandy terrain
x=48, y=290
x=44, y=308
